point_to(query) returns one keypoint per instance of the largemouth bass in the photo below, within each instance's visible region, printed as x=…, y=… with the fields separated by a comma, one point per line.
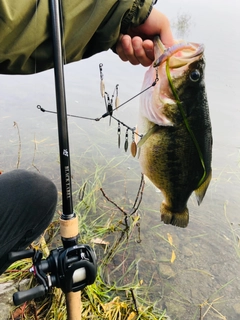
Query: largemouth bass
x=176, y=148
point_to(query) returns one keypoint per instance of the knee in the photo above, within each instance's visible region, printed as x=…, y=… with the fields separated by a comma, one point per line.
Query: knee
x=35, y=192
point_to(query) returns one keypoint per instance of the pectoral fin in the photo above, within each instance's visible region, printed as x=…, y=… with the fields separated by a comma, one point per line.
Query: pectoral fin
x=147, y=135
x=200, y=192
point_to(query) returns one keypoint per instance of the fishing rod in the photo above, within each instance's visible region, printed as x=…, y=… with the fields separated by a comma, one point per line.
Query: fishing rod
x=73, y=266
x=68, y=221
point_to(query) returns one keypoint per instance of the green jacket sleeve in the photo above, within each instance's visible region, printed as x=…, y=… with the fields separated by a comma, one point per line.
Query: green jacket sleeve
x=89, y=27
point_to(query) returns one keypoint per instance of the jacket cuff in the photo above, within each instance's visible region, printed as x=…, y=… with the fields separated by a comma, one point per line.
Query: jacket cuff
x=137, y=14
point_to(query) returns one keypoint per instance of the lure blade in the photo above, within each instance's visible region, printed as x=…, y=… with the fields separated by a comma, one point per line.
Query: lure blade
x=133, y=144
x=116, y=99
x=133, y=148
x=126, y=145
x=116, y=103
x=119, y=141
x=126, y=141
x=102, y=88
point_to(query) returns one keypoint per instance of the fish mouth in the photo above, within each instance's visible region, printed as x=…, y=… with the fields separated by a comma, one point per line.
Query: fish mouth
x=179, y=54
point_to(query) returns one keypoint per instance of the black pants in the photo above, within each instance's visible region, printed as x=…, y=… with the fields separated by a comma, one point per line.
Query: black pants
x=27, y=205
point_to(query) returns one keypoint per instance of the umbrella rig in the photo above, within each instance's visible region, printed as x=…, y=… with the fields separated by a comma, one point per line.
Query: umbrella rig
x=112, y=104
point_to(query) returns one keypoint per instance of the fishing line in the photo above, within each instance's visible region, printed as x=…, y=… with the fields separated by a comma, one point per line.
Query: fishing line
x=179, y=104
x=138, y=94
x=69, y=115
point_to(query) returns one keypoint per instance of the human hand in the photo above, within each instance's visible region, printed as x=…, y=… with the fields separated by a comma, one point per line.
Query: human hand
x=137, y=46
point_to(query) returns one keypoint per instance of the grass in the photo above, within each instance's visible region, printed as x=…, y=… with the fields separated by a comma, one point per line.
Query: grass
x=119, y=291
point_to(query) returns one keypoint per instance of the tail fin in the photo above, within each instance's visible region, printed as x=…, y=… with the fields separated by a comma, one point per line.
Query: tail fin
x=179, y=219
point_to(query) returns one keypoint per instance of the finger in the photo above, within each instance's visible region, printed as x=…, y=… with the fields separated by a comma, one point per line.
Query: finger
x=140, y=53
x=166, y=35
x=128, y=50
x=165, y=31
x=149, y=49
x=119, y=49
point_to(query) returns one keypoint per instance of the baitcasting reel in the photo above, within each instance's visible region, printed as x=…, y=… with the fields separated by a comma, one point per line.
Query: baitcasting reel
x=71, y=269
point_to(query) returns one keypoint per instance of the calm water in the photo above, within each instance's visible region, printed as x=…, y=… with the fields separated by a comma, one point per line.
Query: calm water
x=206, y=270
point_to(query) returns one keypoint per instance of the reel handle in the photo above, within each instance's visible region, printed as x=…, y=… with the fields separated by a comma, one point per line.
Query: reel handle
x=18, y=255
x=22, y=296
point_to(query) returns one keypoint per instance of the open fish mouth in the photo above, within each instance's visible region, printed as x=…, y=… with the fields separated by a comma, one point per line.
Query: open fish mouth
x=179, y=54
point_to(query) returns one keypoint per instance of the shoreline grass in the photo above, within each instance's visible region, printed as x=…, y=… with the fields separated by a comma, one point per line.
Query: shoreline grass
x=118, y=292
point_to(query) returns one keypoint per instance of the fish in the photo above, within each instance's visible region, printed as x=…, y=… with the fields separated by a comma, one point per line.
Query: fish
x=174, y=119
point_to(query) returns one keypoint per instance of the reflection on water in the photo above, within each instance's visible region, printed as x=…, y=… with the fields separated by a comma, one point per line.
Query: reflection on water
x=206, y=269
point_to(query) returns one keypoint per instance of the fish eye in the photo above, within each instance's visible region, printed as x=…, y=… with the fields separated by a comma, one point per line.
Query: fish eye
x=195, y=75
